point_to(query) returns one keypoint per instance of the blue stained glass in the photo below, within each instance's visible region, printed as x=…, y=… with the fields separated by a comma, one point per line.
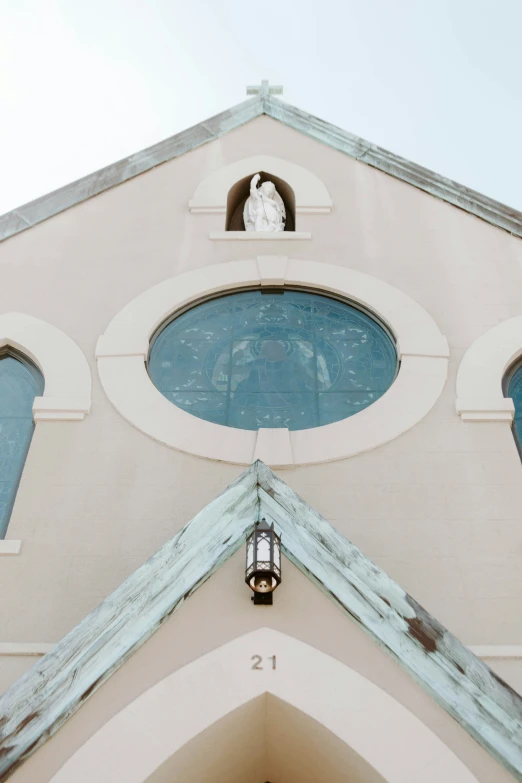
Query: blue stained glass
x=292, y=359
x=514, y=391
x=20, y=383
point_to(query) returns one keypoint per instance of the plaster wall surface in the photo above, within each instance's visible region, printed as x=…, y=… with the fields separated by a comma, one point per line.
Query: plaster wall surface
x=439, y=508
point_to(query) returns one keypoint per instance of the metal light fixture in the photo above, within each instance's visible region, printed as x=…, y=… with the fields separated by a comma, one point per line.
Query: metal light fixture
x=263, y=562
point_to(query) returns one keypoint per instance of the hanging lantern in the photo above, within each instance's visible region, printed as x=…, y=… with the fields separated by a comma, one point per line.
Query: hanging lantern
x=263, y=562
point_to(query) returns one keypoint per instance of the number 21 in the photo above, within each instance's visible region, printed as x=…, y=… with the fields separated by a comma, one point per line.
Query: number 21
x=258, y=660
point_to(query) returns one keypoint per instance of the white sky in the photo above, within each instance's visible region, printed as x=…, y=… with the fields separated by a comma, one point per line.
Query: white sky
x=84, y=83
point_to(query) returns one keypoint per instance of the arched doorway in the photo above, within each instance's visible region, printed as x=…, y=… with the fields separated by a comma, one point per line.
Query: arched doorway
x=266, y=740
x=243, y=705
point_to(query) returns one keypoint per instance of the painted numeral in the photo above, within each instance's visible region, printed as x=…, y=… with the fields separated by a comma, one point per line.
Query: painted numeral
x=256, y=666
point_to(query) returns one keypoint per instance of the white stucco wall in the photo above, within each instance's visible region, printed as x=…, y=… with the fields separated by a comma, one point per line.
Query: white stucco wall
x=439, y=508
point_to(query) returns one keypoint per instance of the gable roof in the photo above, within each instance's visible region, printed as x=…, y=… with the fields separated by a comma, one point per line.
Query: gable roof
x=34, y=708
x=59, y=200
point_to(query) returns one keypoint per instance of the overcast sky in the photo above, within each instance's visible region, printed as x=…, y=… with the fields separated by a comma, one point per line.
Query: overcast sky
x=83, y=84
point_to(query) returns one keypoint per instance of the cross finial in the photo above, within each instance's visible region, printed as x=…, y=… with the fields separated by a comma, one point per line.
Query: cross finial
x=264, y=89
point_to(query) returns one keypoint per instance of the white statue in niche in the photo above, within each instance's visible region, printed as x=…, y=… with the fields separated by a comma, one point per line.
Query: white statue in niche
x=264, y=208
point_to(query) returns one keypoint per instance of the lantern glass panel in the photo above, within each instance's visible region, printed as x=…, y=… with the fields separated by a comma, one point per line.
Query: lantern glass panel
x=277, y=554
x=250, y=552
x=263, y=548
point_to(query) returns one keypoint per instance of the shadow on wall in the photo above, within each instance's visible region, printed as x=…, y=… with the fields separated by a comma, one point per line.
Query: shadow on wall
x=238, y=194
x=265, y=737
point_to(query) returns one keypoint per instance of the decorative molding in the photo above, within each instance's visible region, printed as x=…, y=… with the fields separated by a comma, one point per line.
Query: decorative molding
x=272, y=270
x=436, y=346
x=337, y=697
x=274, y=447
x=67, y=377
x=313, y=210
x=122, y=349
x=310, y=192
x=497, y=651
x=473, y=410
x=60, y=409
x=256, y=236
x=82, y=661
x=25, y=648
x=10, y=546
x=479, y=380
x=107, y=347
x=464, y=198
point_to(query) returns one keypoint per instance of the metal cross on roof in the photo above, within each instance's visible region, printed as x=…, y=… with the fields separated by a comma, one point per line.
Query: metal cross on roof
x=264, y=89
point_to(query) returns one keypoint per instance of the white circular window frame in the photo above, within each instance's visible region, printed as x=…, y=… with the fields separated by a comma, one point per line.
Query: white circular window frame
x=123, y=350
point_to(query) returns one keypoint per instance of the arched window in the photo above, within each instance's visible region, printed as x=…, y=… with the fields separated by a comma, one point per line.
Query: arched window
x=512, y=387
x=273, y=359
x=239, y=193
x=20, y=383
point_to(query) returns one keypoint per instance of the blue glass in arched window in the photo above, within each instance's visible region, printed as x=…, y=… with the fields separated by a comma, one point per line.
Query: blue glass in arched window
x=292, y=359
x=514, y=390
x=20, y=383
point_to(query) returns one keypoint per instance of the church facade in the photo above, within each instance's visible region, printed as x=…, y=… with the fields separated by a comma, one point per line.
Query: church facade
x=261, y=318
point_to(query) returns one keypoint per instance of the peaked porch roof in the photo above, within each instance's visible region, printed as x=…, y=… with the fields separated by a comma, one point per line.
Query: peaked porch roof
x=42, y=208
x=34, y=708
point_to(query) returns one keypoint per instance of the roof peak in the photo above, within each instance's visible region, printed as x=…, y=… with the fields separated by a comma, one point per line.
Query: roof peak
x=263, y=102
x=264, y=90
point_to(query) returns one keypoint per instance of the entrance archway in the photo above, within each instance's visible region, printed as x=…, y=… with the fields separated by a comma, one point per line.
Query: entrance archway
x=242, y=684
x=266, y=740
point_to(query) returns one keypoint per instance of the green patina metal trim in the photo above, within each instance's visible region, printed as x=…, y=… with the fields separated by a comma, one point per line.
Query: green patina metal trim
x=41, y=209
x=35, y=707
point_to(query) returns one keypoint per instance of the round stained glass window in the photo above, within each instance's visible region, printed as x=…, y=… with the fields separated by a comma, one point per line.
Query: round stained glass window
x=291, y=359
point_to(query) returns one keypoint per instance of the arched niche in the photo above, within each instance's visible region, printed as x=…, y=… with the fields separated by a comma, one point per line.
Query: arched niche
x=238, y=194
x=310, y=193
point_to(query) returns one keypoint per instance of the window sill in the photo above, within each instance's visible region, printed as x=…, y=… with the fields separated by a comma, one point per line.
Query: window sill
x=9, y=546
x=249, y=236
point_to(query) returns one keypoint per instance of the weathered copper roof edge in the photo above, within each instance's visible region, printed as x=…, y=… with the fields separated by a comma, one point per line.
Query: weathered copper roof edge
x=465, y=198
x=76, y=192
x=45, y=207
x=35, y=707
